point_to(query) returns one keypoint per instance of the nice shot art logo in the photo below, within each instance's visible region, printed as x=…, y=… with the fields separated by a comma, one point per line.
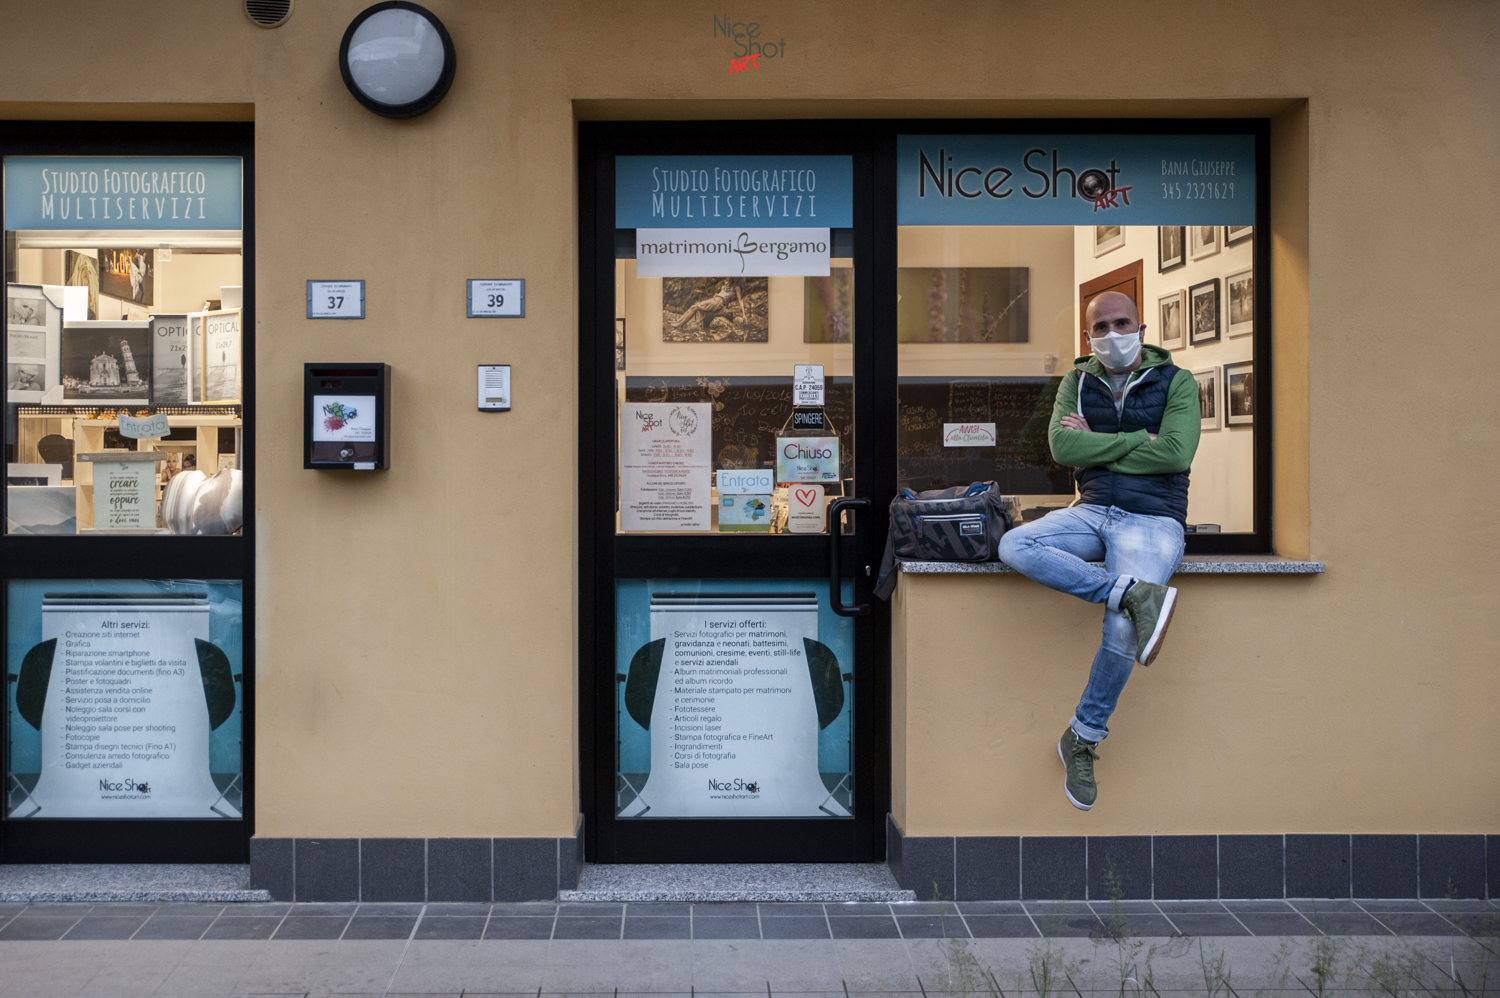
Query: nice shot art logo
x=747, y=46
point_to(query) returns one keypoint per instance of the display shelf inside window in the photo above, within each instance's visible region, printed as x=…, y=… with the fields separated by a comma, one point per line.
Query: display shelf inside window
x=76, y=473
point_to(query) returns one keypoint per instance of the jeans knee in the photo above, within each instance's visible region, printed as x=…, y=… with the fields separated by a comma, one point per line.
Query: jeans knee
x=1012, y=546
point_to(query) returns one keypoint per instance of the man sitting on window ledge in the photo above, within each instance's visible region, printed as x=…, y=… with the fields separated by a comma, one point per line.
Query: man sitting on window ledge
x=1127, y=419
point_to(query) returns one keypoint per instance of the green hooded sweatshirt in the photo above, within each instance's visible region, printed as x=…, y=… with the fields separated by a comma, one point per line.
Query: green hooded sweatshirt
x=1129, y=453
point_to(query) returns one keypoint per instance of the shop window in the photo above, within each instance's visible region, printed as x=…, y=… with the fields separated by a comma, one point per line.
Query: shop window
x=1005, y=240
x=713, y=324
x=124, y=699
x=124, y=361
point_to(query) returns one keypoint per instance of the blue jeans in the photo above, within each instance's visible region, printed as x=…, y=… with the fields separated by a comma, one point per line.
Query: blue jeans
x=1056, y=551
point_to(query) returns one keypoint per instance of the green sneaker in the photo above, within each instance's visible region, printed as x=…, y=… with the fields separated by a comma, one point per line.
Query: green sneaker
x=1149, y=606
x=1078, y=758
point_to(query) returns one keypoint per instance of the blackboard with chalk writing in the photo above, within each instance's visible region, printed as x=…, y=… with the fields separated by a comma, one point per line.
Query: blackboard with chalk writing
x=1020, y=461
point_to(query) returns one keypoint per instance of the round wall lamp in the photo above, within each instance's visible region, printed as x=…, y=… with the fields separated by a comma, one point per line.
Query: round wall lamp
x=397, y=59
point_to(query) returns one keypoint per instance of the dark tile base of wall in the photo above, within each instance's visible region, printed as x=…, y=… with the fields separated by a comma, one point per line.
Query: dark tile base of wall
x=417, y=870
x=1143, y=867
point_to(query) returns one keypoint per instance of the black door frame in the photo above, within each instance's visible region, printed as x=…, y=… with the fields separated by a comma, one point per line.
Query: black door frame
x=603, y=553
x=65, y=840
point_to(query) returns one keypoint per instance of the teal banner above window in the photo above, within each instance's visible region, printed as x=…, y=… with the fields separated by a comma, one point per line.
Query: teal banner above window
x=715, y=192
x=1075, y=180
x=122, y=192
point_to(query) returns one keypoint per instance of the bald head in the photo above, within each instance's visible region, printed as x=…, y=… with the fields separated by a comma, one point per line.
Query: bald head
x=1112, y=312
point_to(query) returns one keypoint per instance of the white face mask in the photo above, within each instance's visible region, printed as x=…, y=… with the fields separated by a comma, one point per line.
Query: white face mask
x=1117, y=351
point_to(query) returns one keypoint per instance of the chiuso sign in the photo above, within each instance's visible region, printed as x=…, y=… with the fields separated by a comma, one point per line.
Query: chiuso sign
x=93, y=192
x=710, y=192
x=1075, y=180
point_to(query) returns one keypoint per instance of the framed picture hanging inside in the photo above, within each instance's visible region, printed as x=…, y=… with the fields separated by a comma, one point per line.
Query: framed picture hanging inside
x=619, y=344
x=1204, y=242
x=1171, y=242
x=1239, y=290
x=1237, y=233
x=1208, y=397
x=1203, y=308
x=1108, y=238
x=1239, y=393
x=1172, y=318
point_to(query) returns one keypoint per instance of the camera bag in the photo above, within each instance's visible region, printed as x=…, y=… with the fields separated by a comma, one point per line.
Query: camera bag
x=957, y=524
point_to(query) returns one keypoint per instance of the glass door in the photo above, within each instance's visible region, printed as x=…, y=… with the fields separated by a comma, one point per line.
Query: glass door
x=731, y=697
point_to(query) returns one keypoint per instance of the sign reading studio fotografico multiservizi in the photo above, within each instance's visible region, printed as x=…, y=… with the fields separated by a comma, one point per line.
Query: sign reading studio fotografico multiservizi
x=739, y=216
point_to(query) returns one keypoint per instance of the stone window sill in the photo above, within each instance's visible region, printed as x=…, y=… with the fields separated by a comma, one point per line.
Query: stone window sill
x=1193, y=564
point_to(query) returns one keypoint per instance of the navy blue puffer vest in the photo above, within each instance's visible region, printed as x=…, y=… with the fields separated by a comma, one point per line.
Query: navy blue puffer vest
x=1145, y=402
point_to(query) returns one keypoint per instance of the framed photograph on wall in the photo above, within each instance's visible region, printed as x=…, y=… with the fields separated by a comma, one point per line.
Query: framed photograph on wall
x=1108, y=238
x=1203, y=311
x=1209, y=409
x=1204, y=241
x=715, y=310
x=1237, y=233
x=1239, y=291
x=128, y=274
x=1239, y=393
x=1171, y=311
x=1171, y=247
x=619, y=344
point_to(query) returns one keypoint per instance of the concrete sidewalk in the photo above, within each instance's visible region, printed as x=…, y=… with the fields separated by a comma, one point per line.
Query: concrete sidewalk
x=920, y=949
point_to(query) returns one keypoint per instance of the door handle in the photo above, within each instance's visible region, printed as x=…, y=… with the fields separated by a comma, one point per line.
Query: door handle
x=835, y=534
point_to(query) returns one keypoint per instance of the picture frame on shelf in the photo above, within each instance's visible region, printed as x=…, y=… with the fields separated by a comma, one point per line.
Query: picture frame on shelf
x=1203, y=241
x=106, y=363
x=1171, y=247
x=1209, y=409
x=1171, y=313
x=1203, y=311
x=1108, y=238
x=1239, y=393
x=1235, y=234
x=221, y=356
x=1239, y=301
x=33, y=335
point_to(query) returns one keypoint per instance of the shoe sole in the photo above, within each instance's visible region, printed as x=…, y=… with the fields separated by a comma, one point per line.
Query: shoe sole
x=1163, y=621
x=1066, y=792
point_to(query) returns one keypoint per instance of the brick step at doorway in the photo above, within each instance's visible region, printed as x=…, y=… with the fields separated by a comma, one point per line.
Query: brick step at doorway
x=737, y=882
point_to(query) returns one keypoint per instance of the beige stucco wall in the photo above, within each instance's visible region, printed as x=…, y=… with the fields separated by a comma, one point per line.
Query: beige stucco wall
x=415, y=635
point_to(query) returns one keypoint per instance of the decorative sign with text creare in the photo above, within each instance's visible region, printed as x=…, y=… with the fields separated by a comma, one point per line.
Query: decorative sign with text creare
x=711, y=192
x=122, y=192
x=1075, y=179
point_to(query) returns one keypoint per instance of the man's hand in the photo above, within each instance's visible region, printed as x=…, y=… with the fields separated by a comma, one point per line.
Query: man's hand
x=1073, y=421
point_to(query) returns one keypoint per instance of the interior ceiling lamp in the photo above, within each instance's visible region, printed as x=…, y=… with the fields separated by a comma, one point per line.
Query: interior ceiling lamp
x=397, y=59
